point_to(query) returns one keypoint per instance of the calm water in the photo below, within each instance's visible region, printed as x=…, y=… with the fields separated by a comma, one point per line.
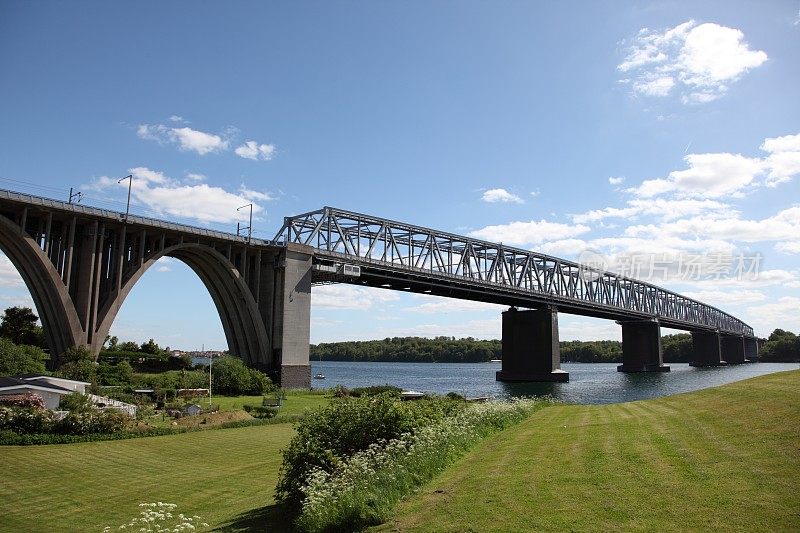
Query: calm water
x=588, y=383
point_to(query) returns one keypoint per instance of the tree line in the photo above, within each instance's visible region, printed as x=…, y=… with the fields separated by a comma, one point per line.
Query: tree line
x=781, y=346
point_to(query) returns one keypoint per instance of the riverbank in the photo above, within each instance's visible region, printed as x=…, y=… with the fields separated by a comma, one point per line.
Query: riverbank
x=722, y=458
x=718, y=459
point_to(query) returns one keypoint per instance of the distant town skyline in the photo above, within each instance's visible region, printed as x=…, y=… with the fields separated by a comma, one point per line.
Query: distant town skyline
x=660, y=140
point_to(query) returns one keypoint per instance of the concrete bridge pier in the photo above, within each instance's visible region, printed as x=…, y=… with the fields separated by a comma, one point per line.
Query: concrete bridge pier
x=641, y=347
x=286, y=310
x=751, y=349
x=733, y=349
x=530, y=346
x=707, y=348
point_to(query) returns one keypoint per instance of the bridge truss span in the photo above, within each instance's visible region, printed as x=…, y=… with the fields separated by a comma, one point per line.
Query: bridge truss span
x=391, y=253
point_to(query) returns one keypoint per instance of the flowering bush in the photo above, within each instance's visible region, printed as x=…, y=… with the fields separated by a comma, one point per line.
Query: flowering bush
x=28, y=399
x=159, y=517
x=330, y=434
x=362, y=489
x=95, y=421
x=26, y=419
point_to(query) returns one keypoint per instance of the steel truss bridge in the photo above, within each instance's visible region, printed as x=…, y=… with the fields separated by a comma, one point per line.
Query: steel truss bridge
x=80, y=263
x=402, y=256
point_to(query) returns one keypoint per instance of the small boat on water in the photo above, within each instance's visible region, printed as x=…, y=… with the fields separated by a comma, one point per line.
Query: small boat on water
x=496, y=361
x=319, y=376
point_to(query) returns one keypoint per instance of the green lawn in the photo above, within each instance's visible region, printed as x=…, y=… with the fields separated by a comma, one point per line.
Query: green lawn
x=217, y=474
x=719, y=459
x=226, y=476
x=294, y=401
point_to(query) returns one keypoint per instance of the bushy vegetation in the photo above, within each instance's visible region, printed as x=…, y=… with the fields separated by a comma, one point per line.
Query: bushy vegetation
x=42, y=421
x=361, y=489
x=20, y=359
x=781, y=347
x=231, y=376
x=328, y=435
x=19, y=325
x=677, y=349
x=410, y=349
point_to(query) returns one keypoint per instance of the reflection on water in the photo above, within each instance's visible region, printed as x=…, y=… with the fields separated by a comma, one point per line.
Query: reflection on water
x=589, y=383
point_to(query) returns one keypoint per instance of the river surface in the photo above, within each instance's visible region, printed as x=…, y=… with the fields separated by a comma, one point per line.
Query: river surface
x=592, y=383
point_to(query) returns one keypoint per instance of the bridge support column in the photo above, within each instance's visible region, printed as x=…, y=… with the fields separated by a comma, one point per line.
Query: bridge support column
x=530, y=346
x=291, y=317
x=733, y=349
x=751, y=349
x=641, y=347
x=707, y=348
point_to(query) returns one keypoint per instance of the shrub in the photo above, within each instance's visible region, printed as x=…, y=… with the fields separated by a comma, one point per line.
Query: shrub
x=327, y=435
x=76, y=402
x=263, y=411
x=28, y=399
x=362, y=489
x=23, y=359
x=231, y=376
x=25, y=420
x=78, y=363
x=375, y=390
x=87, y=422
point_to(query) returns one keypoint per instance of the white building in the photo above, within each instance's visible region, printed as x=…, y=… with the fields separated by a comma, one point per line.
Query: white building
x=47, y=389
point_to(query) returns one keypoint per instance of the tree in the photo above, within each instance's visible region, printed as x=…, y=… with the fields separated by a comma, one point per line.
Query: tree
x=78, y=363
x=20, y=325
x=231, y=376
x=150, y=347
x=16, y=360
x=112, y=342
x=128, y=346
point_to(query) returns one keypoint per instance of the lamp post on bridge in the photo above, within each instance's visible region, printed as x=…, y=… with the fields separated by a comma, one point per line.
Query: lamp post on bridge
x=129, y=177
x=249, y=228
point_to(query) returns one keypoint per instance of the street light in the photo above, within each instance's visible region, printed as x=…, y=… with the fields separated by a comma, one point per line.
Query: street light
x=129, y=177
x=248, y=228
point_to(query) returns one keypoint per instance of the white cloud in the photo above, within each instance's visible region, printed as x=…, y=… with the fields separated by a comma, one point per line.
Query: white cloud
x=253, y=150
x=783, y=160
x=500, y=195
x=716, y=175
x=781, y=314
x=782, y=226
x=660, y=207
x=788, y=247
x=349, y=297
x=9, y=276
x=437, y=305
x=615, y=181
x=186, y=138
x=255, y=195
x=525, y=233
x=164, y=264
x=535, y=193
x=720, y=298
x=177, y=118
x=655, y=87
x=709, y=175
x=192, y=176
x=166, y=196
x=705, y=59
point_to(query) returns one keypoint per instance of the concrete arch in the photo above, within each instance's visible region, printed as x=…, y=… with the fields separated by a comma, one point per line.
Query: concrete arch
x=238, y=311
x=62, y=327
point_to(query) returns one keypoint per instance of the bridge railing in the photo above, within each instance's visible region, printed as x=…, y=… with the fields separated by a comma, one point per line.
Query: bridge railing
x=374, y=240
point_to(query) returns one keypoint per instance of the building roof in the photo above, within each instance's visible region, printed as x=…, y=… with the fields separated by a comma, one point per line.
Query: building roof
x=38, y=376
x=11, y=383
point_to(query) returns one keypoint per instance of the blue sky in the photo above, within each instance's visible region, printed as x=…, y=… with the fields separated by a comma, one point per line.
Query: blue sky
x=665, y=130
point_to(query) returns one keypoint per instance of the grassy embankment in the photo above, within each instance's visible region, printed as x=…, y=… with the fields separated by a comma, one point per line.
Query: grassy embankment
x=220, y=475
x=726, y=458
